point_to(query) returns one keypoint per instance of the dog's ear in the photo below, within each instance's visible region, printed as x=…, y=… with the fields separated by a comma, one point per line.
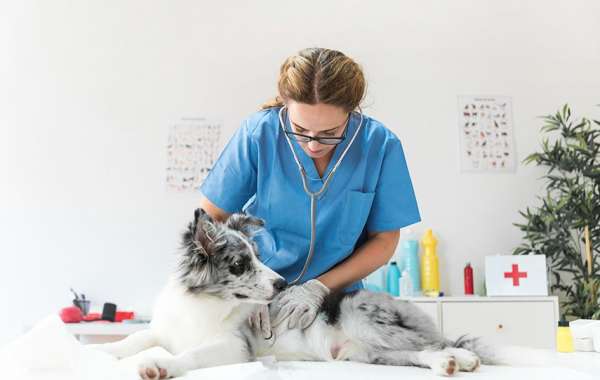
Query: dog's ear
x=201, y=216
x=244, y=223
x=201, y=233
x=200, y=243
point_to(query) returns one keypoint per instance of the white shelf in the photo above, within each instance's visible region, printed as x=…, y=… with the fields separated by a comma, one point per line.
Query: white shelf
x=105, y=328
x=475, y=298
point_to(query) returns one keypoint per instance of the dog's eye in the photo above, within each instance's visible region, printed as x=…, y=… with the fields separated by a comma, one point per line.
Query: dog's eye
x=237, y=267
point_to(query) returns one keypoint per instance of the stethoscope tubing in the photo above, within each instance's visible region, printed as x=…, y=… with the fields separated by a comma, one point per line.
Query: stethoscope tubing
x=314, y=195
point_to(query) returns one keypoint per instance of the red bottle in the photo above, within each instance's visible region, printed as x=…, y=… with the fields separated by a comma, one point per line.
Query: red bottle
x=468, y=279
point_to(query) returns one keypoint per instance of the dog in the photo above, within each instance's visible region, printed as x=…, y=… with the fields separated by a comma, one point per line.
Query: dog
x=202, y=315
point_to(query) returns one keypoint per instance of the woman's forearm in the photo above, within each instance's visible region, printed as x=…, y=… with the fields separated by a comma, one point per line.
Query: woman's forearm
x=374, y=253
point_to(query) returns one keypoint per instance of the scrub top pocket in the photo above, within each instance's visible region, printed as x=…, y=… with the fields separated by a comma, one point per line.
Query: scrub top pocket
x=357, y=206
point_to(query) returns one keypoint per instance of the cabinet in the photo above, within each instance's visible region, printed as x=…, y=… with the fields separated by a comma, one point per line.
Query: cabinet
x=523, y=321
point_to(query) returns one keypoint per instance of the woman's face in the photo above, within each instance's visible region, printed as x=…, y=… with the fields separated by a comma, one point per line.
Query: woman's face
x=318, y=120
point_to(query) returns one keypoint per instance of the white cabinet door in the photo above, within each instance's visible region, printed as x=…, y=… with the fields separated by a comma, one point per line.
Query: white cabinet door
x=513, y=323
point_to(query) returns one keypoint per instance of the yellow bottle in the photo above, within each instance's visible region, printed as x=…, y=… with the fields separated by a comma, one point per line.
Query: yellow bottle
x=564, y=338
x=430, y=275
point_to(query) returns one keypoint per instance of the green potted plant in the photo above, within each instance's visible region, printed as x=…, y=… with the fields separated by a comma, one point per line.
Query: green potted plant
x=565, y=227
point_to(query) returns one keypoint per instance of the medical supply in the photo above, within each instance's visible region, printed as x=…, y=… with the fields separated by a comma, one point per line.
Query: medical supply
x=564, y=337
x=468, y=277
x=393, y=278
x=375, y=282
x=430, y=276
x=406, y=288
x=314, y=195
x=586, y=334
x=410, y=261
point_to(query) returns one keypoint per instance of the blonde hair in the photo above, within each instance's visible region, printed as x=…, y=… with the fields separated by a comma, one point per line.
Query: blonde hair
x=317, y=75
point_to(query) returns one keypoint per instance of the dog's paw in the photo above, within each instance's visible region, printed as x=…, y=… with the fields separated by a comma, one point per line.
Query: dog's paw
x=444, y=364
x=159, y=368
x=467, y=360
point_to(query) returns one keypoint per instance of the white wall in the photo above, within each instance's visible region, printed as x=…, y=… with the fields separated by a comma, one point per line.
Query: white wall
x=90, y=87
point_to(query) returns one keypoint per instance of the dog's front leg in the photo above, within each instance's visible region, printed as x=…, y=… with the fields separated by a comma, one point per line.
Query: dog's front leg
x=131, y=345
x=227, y=351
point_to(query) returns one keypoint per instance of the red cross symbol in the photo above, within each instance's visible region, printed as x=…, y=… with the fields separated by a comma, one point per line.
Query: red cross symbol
x=515, y=274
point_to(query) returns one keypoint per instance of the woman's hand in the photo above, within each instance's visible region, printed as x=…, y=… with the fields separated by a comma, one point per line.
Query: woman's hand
x=300, y=304
x=260, y=321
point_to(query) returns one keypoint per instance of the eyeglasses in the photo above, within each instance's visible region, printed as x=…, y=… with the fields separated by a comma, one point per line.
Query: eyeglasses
x=321, y=140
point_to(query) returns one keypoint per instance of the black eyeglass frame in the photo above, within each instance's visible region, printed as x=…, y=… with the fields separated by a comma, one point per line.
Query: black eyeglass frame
x=321, y=140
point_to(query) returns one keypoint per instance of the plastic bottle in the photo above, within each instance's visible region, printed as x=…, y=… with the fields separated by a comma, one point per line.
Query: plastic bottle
x=375, y=282
x=393, y=279
x=430, y=275
x=410, y=260
x=406, y=289
x=381, y=274
x=564, y=338
x=468, y=273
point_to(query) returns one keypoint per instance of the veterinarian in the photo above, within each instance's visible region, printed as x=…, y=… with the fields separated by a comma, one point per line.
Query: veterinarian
x=286, y=152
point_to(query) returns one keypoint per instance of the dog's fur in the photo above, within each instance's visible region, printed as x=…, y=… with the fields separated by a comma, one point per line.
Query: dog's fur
x=201, y=316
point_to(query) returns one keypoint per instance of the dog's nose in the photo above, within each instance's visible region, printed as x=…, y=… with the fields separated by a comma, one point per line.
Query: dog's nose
x=280, y=284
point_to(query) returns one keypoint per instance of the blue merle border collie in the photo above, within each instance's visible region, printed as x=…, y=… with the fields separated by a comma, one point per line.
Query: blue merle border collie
x=201, y=317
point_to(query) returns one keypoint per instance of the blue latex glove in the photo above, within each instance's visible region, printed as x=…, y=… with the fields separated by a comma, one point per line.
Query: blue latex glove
x=299, y=303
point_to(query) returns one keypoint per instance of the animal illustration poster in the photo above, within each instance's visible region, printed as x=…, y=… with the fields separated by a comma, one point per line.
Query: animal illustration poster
x=486, y=134
x=192, y=149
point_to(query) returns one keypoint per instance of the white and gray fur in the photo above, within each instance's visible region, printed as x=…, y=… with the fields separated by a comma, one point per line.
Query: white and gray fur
x=201, y=316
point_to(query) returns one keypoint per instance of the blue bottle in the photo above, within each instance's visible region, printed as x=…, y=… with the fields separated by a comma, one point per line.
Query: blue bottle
x=393, y=278
x=410, y=263
x=375, y=282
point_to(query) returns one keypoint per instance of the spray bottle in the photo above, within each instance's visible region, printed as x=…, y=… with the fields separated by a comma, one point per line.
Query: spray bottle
x=410, y=261
x=430, y=275
x=468, y=277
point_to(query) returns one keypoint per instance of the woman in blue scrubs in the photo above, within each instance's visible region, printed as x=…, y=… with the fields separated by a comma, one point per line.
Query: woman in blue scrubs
x=358, y=218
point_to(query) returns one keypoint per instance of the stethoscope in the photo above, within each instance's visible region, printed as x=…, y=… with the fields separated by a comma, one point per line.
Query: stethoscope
x=314, y=195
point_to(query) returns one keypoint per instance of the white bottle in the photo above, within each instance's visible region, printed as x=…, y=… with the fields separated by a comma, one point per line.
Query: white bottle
x=406, y=289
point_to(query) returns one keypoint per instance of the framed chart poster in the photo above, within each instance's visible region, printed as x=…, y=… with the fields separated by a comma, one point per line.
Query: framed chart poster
x=487, y=141
x=192, y=149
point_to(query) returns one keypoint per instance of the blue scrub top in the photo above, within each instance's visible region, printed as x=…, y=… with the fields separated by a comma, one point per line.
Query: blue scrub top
x=370, y=192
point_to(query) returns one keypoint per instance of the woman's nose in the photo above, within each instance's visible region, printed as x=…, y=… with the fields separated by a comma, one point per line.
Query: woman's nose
x=314, y=145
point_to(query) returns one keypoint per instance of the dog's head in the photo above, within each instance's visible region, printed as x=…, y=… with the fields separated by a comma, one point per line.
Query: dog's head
x=221, y=259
